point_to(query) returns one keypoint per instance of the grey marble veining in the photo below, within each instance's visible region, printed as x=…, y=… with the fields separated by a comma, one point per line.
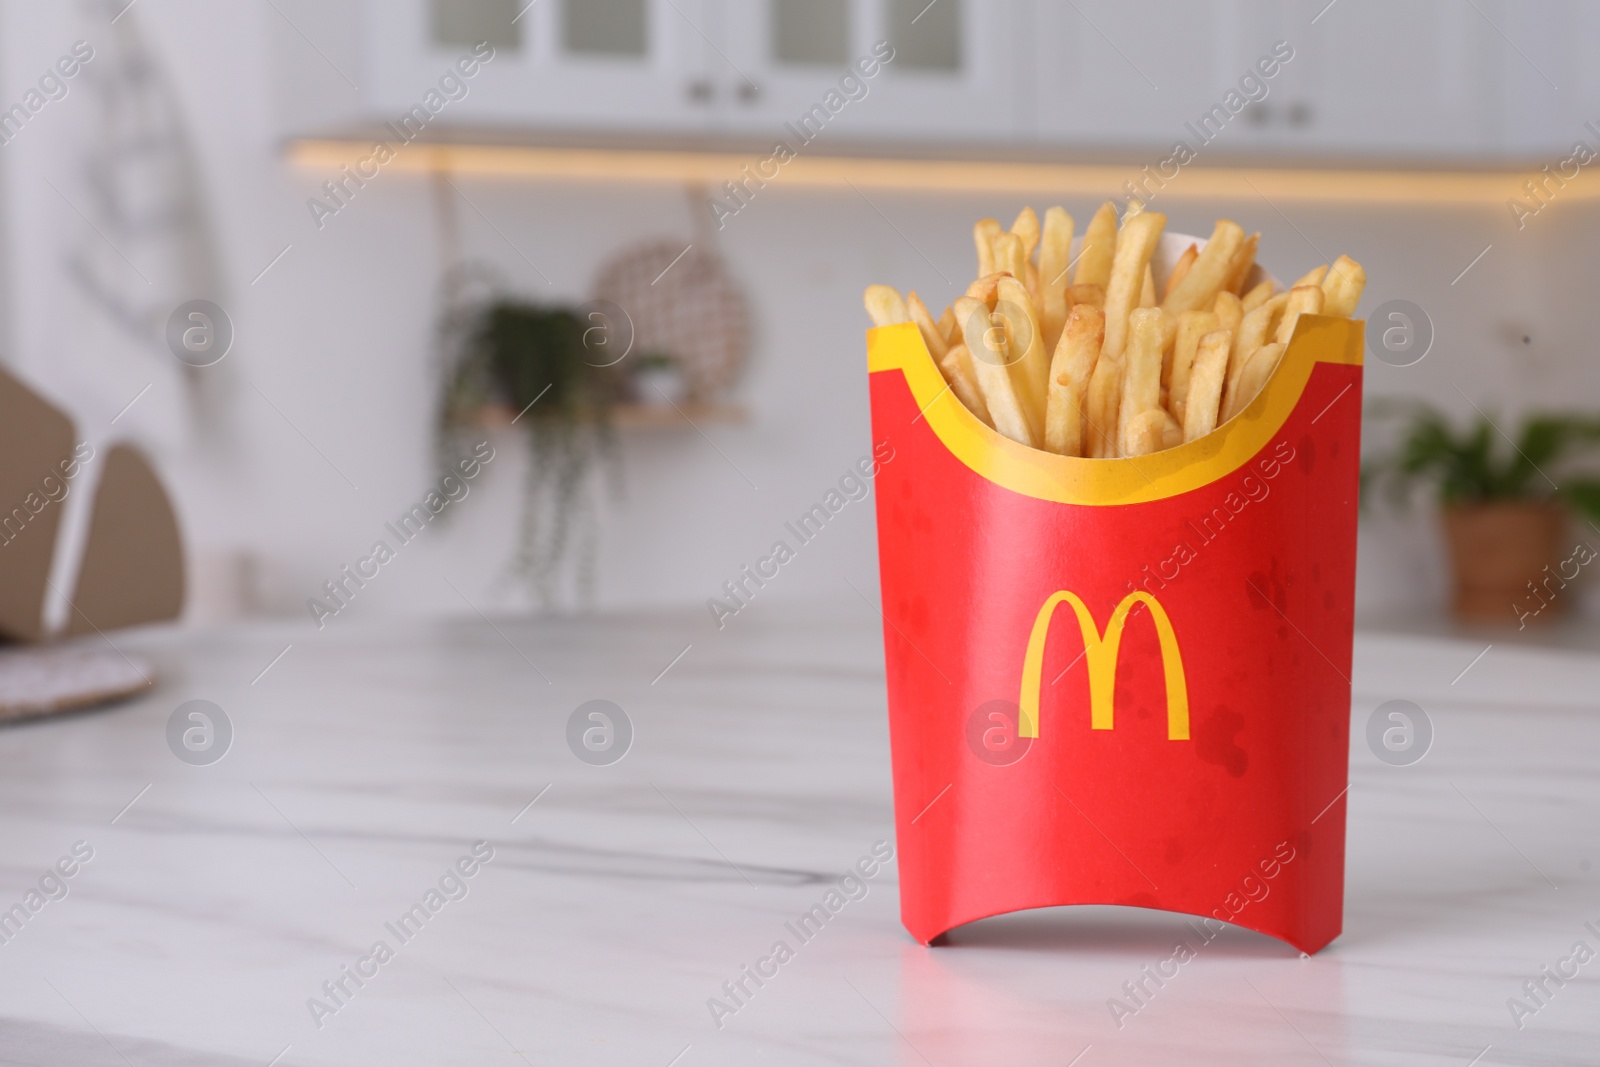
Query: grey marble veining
x=369, y=759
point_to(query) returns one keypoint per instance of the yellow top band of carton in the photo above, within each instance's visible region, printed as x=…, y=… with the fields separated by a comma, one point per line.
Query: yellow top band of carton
x=1132, y=480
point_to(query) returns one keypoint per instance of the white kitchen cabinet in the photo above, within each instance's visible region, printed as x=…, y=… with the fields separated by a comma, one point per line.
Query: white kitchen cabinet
x=1124, y=73
x=1551, y=87
x=954, y=75
x=586, y=64
x=1377, y=81
x=1385, y=79
x=1369, y=78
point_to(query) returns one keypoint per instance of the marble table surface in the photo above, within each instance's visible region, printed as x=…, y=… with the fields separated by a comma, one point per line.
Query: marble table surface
x=367, y=760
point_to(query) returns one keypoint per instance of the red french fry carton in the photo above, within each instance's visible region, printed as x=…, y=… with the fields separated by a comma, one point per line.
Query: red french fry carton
x=1122, y=681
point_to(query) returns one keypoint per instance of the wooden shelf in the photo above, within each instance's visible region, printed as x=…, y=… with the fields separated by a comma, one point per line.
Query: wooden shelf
x=653, y=416
x=995, y=169
x=642, y=416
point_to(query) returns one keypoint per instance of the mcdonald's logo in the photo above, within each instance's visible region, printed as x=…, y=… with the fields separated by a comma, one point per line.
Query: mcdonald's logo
x=1101, y=653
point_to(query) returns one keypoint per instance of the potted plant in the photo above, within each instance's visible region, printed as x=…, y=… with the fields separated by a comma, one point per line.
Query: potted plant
x=1505, y=504
x=509, y=362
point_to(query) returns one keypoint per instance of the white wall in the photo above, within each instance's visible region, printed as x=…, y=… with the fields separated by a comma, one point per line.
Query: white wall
x=338, y=335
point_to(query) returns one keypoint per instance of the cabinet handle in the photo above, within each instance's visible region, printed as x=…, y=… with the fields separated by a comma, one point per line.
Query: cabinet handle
x=700, y=90
x=749, y=93
x=1300, y=115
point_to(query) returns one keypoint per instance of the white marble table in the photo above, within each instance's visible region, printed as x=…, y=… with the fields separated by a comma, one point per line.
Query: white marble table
x=367, y=760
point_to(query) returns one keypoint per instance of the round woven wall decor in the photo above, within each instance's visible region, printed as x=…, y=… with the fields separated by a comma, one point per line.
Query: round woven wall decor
x=682, y=302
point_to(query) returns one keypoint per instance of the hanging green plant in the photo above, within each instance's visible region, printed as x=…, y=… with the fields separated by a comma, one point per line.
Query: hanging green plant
x=509, y=360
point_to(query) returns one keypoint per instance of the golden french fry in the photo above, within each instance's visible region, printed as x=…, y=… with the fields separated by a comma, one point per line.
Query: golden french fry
x=1147, y=292
x=986, y=288
x=956, y=366
x=1141, y=376
x=1145, y=433
x=1204, y=280
x=1055, y=248
x=1229, y=309
x=1257, y=369
x=1008, y=257
x=1027, y=229
x=1099, y=246
x=1100, y=408
x=917, y=311
x=1135, y=206
x=1192, y=325
x=1342, y=287
x=984, y=231
x=1136, y=242
x=986, y=341
x=1071, y=369
x=1303, y=300
x=1030, y=367
x=948, y=328
x=1244, y=261
x=1180, y=268
x=1055, y=252
x=1206, y=380
x=1093, y=295
x=884, y=304
x=1256, y=297
x=1312, y=277
x=1171, y=432
x=1254, y=331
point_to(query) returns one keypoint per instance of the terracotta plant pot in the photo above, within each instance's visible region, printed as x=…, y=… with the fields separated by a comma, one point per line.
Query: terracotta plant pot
x=1504, y=557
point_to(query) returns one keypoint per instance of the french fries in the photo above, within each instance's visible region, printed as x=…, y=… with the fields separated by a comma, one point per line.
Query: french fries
x=1102, y=365
x=1257, y=296
x=1303, y=300
x=1230, y=311
x=1203, y=281
x=956, y=366
x=1243, y=262
x=1192, y=325
x=1055, y=255
x=987, y=342
x=1257, y=369
x=1313, y=276
x=1342, y=287
x=1030, y=363
x=1070, y=370
x=1136, y=243
x=1099, y=245
x=984, y=231
x=1205, y=384
x=1180, y=268
x=918, y=312
x=884, y=305
x=1146, y=433
x=1093, y=295
x=1141, y=380
x=1026, y=230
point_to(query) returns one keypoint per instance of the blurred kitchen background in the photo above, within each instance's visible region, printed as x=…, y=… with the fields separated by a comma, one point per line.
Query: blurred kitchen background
x=185, y=161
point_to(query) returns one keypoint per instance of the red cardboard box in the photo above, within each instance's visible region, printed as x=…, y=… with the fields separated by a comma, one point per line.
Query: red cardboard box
x=1122, y=681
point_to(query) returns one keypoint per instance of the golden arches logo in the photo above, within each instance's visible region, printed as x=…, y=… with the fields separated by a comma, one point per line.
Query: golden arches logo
x=1101, y=653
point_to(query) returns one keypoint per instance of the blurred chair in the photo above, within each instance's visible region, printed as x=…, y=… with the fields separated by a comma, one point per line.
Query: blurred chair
x=132, y=569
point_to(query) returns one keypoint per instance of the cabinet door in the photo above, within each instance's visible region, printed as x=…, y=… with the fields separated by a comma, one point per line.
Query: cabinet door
x=1375, y=78
x=953, y=74
x=593, y=64
x=1545, y=52
x=1126, y=73
x=1386, y=79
